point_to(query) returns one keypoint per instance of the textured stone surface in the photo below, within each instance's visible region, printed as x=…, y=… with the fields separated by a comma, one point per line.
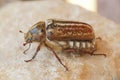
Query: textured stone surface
x=22, y=15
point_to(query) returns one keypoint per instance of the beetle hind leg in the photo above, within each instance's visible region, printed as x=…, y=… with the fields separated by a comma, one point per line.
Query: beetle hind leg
x=94, y=48
x=99, y=54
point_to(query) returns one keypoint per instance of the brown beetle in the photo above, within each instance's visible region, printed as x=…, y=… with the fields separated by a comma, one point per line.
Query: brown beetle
x=78, y=37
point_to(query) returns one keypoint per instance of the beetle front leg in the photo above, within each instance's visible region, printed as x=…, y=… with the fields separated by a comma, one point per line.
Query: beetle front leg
x=56, y=56
x=37, y=50
x=27, y=48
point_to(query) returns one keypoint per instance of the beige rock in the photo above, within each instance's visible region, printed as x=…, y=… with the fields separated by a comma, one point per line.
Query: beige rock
x=21, y=15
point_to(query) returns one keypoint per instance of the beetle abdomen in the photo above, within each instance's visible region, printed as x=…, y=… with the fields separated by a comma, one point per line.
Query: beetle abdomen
x=69, y=31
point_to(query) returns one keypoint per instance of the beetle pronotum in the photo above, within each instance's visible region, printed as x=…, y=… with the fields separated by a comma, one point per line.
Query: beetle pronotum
x=78, y=36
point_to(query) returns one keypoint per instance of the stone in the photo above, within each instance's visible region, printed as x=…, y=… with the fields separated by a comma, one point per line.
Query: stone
x=22, y=15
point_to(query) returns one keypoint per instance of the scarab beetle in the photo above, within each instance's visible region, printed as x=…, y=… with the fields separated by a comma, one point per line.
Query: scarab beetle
x=77, y=37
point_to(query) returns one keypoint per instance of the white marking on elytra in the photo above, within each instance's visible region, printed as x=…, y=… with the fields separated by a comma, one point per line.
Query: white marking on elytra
x=77, y=44
x=83, y=44
x=72, y=24
x=88, y=44
x=66, y=24
x=71, y=44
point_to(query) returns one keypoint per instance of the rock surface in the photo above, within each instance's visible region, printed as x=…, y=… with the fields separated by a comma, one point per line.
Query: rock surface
x=21, y=15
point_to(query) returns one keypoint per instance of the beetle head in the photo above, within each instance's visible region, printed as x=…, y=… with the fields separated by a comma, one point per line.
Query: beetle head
x=36, y=33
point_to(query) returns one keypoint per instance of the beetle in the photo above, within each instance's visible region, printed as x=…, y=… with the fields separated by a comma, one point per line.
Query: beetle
x=78, y=37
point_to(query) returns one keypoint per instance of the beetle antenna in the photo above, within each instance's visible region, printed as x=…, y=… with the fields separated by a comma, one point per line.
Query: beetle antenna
x=27, y=48
x=21, y=31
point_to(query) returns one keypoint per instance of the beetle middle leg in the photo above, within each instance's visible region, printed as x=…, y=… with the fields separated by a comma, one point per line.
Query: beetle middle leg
x=37, y=50
x=56, y=56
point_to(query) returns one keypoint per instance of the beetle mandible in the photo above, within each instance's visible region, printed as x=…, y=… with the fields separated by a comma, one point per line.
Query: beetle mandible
x=77, y=36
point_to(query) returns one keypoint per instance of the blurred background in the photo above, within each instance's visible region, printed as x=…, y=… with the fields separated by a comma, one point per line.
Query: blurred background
x=107, y=8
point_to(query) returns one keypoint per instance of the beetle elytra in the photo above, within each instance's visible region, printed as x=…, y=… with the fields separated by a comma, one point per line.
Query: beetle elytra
x=78, y=36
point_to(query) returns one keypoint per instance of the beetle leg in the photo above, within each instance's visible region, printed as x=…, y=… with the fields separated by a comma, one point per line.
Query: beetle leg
x=69, y=50
x=92, y=53
x=74, y=44
x=95, y=48
x=58, y=44
x=99, y=54
x=56, y=56
x=37, y=50
x=27, y=49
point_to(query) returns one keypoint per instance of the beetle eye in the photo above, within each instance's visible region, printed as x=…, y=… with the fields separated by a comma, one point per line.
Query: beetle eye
x=34, y=31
